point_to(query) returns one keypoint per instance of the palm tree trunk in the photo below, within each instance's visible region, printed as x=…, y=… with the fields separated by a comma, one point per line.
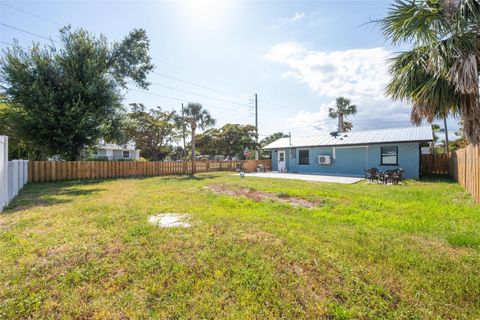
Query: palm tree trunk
x=446, y=134
x=340, y=123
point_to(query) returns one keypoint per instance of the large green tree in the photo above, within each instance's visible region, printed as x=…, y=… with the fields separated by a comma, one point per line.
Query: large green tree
x=153, y=131
x=343, y=108
x=272, y=138
x=269, y=139
x=196, y=116
x=17, y=149
x=231, y=140
x=65, y=97
x=440, y=74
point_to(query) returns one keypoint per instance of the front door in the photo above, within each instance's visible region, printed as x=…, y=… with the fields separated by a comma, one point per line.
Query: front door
x=281, y=161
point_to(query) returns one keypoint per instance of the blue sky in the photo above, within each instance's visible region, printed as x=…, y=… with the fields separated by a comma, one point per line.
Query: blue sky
x=298, y=56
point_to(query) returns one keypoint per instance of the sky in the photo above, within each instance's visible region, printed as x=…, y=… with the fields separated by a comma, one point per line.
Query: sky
x=298, y=57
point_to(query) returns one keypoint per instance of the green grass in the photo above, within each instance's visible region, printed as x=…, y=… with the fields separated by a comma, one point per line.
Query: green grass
x=86, y=251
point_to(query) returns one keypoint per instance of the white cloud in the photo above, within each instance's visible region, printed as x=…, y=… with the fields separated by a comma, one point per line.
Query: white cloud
x=296, y=17
x=287, y=22
x=359, y=74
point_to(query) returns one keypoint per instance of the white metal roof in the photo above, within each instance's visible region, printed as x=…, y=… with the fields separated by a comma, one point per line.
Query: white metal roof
x=112, y=146
x=393, y=135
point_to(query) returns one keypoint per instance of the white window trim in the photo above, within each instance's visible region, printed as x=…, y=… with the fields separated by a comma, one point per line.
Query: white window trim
x=385, y=154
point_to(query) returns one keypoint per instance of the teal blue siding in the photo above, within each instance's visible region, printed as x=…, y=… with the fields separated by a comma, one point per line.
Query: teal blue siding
x=408, y=158
x=352, y=160
x=274, y=160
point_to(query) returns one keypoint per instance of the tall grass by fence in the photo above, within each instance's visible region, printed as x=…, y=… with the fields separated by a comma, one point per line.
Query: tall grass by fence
x=465, y=168
x=40, y=171
x=13, y=174
x=434, y=164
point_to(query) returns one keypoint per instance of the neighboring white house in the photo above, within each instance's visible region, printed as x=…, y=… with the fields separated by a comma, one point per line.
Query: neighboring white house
x=112, y=151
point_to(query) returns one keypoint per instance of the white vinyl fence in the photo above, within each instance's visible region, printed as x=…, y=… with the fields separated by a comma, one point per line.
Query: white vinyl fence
x=13, y=174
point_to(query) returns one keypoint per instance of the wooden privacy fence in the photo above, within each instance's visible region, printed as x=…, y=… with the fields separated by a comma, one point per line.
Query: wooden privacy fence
x=40, y=171
x=434, y=164
x=465, y=168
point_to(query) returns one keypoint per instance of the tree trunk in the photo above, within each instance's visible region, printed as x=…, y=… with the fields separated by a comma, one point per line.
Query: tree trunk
x=341, y=126
x=194, y=127
x=446, y=134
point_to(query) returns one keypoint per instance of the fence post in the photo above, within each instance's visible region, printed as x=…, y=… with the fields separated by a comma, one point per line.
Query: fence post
x=20, y=174
x=15, y=177
x=3, y=172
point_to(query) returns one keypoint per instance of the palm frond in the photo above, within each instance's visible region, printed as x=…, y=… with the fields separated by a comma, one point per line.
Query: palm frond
x=413, y=21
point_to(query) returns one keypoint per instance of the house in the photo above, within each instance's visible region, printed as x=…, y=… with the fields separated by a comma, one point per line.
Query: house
x=110, y=151
x=350, y=153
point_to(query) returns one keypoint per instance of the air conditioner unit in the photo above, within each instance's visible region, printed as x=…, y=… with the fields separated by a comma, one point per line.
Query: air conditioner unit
x=324, y=159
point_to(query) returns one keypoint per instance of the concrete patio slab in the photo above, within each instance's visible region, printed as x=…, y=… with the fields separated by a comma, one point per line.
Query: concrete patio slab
x=305, y=177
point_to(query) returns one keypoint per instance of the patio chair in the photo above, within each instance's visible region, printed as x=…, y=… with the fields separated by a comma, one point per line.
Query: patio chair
x=397, y=176
x=372, y=174
x=387, y=176
x=393, y=176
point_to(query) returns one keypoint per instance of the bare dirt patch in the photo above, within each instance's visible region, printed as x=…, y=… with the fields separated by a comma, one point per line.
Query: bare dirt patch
x=257, y=195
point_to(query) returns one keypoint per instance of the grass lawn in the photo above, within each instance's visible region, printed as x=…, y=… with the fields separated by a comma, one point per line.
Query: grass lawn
x=86, y=251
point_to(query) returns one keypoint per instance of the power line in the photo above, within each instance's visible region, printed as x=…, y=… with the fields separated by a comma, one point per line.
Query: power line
x=196, y=94
x=31, y=14
x=176, y=89
x=197, y=85
x=178, y=99
x=154, y=72
x=11, y=44
x=28, y=32
x=202, y=76
x=160, y=61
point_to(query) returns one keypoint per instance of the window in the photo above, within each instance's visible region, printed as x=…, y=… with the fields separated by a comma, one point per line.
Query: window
x=126, y=154
x=389, y=155
x=281, y=156
x=303, y=157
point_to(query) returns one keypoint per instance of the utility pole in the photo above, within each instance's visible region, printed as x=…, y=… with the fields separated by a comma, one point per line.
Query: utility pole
x=183, y=133
x=256, y=125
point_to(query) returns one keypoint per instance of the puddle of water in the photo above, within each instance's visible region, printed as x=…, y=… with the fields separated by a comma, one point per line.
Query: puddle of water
x=170, y=220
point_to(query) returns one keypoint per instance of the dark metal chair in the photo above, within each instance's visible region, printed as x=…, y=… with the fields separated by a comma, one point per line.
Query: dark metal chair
x=393, y=176
x=398, y=176
x=387, y=176
x=372, y=174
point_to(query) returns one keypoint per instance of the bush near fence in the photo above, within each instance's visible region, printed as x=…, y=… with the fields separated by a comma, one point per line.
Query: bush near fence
x=40, y=171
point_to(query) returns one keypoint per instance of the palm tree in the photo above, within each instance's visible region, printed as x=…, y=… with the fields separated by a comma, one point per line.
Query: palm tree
x=196, y=116
x=439, y=76
x=343, y=108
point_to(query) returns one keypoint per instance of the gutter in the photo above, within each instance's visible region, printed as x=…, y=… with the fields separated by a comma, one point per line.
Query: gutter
x=350, y=145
